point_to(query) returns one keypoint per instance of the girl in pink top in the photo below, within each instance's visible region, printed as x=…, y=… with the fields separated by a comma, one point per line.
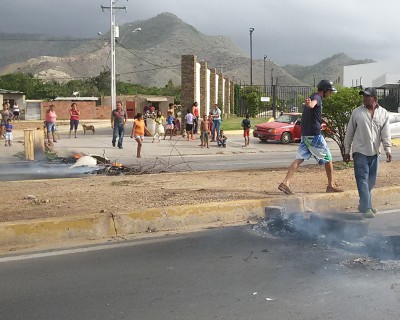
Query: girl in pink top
x=51, y=118
x=74, y=118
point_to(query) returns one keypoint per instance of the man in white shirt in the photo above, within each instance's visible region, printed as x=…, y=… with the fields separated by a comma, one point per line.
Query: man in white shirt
x=367, y=129
x=216, y=127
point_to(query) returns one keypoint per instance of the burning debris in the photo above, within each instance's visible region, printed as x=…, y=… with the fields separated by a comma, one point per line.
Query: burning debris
x=344, y=231
x=150, y=167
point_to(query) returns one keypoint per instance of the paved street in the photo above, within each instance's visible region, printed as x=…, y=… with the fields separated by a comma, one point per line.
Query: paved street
x=230, y=273
x=182, y=154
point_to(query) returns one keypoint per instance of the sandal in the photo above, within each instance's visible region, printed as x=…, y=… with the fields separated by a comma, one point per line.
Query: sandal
x=284, y=188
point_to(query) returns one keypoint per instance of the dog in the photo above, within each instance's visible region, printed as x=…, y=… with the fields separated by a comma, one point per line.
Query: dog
x=88, y=128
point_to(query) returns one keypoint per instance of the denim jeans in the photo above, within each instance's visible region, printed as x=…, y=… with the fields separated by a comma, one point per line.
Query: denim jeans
x=119, y=131
x=365, y=171
x=195, y=124
x=215, y=127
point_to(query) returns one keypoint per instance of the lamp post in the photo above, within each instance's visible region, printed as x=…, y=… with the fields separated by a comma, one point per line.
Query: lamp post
x=251, y=55
x=132, y=31
x=265, y=82
x=272, y=76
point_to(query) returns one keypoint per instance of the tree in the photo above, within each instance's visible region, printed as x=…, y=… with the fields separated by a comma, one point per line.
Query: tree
x=337, y=111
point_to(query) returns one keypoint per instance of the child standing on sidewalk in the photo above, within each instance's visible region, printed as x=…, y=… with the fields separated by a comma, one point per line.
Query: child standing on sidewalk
x=8, y=134
x=246, y=125
x=204, y=131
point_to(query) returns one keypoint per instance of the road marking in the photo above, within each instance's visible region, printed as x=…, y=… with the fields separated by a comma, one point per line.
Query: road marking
x=88, y=249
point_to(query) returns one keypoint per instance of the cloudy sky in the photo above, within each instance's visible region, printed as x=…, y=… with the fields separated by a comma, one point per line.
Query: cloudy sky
x=287, y=31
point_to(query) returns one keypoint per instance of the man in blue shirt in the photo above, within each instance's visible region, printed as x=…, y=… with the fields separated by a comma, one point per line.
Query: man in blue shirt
x=312, y=142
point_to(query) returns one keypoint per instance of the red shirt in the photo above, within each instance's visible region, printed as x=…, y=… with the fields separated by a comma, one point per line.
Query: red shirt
x=74, y=114
x=195, y=111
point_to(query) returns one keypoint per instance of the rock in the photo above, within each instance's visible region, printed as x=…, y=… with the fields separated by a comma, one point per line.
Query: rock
x=103, y=211
x=30, y=197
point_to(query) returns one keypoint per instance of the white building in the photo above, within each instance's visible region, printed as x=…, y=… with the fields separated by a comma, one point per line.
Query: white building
x=383, y=75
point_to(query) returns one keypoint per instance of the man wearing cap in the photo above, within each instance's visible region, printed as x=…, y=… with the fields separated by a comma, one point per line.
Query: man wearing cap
x=312, y=143
x=367, y=129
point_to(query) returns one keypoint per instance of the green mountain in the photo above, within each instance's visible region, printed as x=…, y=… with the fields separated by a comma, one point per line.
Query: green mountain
x=329, y=68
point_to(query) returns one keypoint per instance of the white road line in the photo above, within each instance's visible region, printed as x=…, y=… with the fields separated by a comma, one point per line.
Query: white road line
x=129, y=243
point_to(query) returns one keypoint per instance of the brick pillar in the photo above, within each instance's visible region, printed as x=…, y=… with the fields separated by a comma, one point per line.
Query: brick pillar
x=220, y=93
x=203, y=89
x=213, y=86
x=188, y=86
x=227, y=97
x=232, y=97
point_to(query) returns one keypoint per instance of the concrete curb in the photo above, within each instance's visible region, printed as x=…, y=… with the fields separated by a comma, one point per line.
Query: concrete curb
x=171, y=218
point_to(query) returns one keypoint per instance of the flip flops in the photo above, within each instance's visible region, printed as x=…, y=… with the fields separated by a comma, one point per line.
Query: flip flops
x=284, y=188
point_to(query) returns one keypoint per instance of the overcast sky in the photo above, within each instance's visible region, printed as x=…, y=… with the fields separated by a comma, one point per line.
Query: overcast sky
x=288, y=31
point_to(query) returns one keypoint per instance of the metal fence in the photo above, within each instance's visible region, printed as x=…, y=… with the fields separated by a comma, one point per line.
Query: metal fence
x=281, y=98
x=291, y=99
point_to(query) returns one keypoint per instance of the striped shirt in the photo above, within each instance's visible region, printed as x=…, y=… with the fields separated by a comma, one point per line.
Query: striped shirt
x=366, y=133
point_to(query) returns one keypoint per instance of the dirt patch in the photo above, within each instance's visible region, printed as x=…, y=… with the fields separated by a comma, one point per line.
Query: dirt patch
x=96, y=194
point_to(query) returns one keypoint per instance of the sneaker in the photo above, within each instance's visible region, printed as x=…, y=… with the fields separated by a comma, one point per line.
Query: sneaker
x=369, y=214
x=374, y=210
x=120, y=147
x=113, y=144
x=332, y=189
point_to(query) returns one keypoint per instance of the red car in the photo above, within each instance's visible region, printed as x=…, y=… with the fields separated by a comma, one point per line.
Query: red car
x=286, y=129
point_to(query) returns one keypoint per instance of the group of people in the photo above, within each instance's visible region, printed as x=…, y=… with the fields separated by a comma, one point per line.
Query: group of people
x=367, y=129
x=152, y=123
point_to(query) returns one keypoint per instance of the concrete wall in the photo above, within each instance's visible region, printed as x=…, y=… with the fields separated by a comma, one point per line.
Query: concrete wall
x=138, y=102
x=88, y=110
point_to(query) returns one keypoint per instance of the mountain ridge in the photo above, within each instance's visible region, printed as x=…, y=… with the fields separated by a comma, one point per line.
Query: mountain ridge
x=150, y=57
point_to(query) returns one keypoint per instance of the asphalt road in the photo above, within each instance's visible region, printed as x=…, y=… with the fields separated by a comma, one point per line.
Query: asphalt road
x=230, y=273
x=183, y=155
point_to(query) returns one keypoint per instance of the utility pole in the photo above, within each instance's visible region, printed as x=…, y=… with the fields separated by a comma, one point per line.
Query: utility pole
x=114, y=31
x=265, y=82
x=251, y=55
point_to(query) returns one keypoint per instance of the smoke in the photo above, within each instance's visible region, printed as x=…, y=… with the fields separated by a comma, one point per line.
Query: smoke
x=342, y=232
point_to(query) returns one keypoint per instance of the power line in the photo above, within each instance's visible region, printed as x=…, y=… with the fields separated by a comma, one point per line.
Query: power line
x=52, y=40
x=136, y=55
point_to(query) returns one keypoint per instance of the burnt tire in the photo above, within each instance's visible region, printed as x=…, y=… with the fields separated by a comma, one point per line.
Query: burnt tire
x=286, y=138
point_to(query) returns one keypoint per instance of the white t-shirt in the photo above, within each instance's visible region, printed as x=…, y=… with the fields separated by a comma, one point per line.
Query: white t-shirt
x=217, y=112
x=189, y=118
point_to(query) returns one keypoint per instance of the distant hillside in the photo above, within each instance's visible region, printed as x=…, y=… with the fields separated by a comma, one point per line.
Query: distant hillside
x=19, y=47
x=329, y=68
x=150, y=57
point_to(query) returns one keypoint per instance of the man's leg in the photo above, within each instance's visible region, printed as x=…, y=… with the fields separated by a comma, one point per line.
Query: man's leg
x=218, y=127
x=361, y=172
x=329, y=172
x=291, y=171
x=373, y=172
x=115, y=134
x=121, y=132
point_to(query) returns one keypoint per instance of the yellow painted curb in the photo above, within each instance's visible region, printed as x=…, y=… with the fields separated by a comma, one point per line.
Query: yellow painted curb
x=55, y=229
x=171, y=218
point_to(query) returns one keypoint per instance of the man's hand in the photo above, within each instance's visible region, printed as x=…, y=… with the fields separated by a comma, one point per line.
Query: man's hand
x=346, y=158
x=388, y=157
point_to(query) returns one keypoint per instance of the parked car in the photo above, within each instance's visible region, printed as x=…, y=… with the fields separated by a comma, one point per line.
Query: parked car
x=394, y=124
x=286, y=129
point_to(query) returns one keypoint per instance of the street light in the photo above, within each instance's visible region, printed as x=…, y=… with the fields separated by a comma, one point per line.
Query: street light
x=265, y=82
x=272, y=76
x=251, y=55
x=132, y=31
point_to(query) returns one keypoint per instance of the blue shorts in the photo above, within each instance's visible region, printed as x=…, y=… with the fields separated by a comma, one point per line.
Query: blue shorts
x=51, y=126
x=315, y=146
x=73, y=124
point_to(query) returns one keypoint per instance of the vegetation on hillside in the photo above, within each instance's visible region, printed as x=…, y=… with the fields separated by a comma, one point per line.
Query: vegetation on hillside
x=328, y=68
x=34, y=88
